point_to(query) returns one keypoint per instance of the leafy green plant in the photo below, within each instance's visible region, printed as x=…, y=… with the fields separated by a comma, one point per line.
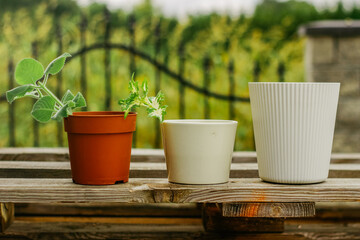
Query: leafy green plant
x=139, y=97
x=32, y=77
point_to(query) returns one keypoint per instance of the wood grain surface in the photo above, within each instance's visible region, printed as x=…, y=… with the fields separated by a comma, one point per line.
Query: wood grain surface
x=22, y=190
x=28, y=230
x=138, y=155
x=272, y=210
x=214, y=220
x=38, y=169
x=181, y=210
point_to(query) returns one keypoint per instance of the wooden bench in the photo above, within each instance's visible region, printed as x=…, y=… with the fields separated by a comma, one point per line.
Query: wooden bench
x=245, y=203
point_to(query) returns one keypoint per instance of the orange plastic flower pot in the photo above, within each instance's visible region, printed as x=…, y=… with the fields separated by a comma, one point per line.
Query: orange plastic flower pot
x=100, y=146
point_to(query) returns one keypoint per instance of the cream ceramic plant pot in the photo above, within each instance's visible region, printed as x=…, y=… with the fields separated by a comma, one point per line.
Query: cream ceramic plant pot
x=294, y=127
x=198, y=151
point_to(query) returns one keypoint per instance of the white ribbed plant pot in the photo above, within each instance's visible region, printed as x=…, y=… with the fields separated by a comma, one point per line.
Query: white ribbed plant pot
x=294, y=127
x=198, y=151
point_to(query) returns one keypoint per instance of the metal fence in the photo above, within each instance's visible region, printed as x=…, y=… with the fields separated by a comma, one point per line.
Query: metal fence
x=135, y=54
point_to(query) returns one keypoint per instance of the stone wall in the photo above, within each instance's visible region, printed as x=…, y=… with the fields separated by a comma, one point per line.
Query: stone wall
x=332, y=54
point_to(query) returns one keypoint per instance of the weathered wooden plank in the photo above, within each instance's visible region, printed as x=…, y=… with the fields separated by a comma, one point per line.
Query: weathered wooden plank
x=28, y=229
x=118, y=220
x=29, y=226
x=213, y=220
x=138, y=155
x=345, y=158
x=338, y=211
x=325, y=211
x=268, y=210
x=160, y=191
x=21, y=230
x=62, y=154
x=31, y=169
x=6, y=215
x=244, y=157
x=80, y=229
x=185, y=236
x=109, y=209
x=34, y=165
x=34, y=154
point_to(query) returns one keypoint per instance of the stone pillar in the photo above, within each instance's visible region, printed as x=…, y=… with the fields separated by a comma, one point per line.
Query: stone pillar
x=332, y=54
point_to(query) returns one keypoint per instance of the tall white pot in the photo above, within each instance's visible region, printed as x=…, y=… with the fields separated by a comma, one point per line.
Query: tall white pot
x=294, y=127
x=198, y=151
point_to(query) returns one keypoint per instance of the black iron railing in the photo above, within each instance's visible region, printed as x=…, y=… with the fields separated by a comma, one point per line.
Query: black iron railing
x=135, y=54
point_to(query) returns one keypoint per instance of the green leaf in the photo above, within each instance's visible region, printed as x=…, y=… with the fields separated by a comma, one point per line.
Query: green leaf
x=68, y=96
x=63, y=112
x=158, y=113
x=145, y=87
x=79, y=100
x=57, y=64
x=19, y=92
x=69, y=111
x=28, y=71
x=43, y=109
x=137, y=98
x=133, y=86
x=71, y=104
x=160, y=97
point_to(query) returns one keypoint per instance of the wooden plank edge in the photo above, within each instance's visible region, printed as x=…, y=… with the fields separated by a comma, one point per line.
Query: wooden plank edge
x=7, y=211
x=268, y=210
x=214, y=221
x=139, y=155
x=38, y=169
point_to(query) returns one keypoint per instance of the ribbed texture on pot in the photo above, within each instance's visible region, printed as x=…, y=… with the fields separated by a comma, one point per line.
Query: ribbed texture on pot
x=294, y=126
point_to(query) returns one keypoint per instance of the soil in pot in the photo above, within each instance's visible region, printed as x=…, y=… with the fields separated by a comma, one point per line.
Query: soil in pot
x=100, y=146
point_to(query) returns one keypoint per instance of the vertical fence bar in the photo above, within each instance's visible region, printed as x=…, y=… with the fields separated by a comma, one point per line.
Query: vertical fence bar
x=83, y=81
x=132, y=65
x=107, y=61
x=181, y=86
x=58, y=34
x=281, y=71
x=231, y=89
x=131, y=28
x=11, y=106
x=256, y=71
x=206, y=84
x=157, y=79
x=35, y=123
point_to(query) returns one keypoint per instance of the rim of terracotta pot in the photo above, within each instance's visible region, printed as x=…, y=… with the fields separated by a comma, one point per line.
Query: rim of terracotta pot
x=100, y=122
x=100, y=114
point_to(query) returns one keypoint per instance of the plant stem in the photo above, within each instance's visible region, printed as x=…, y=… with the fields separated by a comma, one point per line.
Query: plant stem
x=51, y=94
x=38, y=90
x=45, y=79
x=40, y=94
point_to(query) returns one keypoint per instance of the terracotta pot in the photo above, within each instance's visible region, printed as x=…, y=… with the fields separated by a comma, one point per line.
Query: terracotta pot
x=100, y=146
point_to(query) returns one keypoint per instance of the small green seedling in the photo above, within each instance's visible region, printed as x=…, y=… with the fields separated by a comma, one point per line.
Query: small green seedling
x=137, y=98
x=30, y=74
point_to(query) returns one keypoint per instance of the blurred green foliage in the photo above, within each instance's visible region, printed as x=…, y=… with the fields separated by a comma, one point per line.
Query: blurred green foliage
x=268, y=37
